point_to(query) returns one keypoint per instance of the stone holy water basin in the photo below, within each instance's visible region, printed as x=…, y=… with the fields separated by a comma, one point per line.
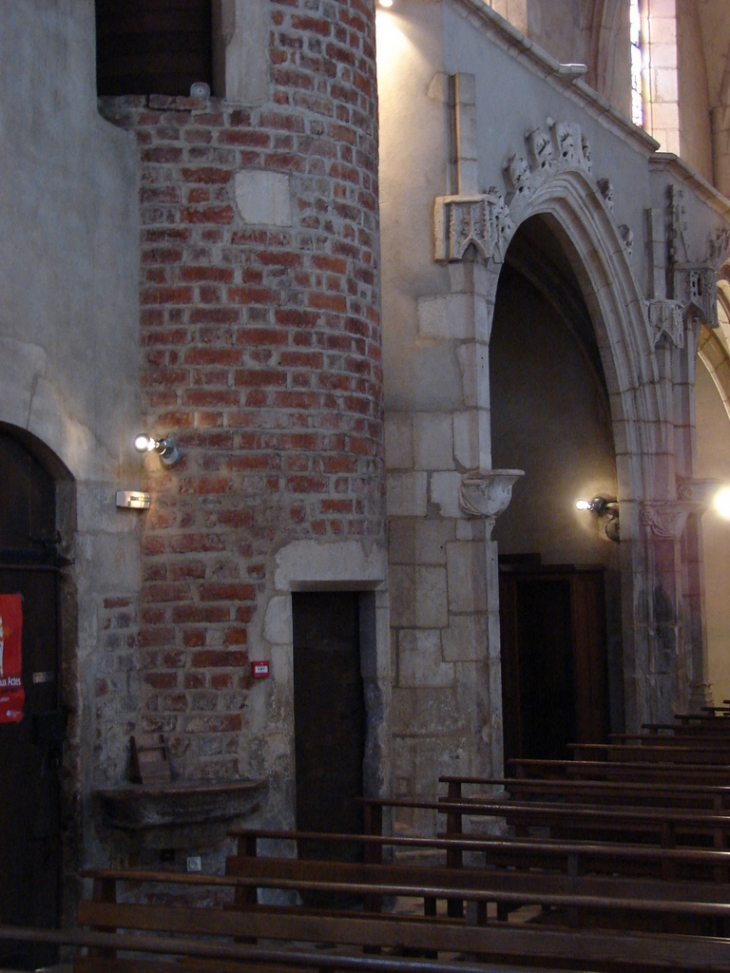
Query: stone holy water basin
x=180, y=814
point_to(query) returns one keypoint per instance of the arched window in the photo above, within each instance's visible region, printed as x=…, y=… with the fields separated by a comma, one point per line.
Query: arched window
x=637, y=101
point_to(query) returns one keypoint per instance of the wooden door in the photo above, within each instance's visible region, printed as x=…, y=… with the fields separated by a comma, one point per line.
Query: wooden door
x=329, y=711
x=30, y=749
x=554, y=659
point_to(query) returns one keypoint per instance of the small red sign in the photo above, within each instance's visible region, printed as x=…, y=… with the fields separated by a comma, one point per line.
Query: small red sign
x=260, y=669
x=12, y=696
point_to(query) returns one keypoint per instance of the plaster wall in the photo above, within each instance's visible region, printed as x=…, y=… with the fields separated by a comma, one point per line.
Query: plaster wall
x=695, y=132
x=715, y=42
x=69, y=351
x=713, y=460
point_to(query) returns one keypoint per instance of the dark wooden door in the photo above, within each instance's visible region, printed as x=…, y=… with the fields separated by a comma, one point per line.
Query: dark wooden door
x=329, y=711
x=554, y=662
x=30, y=749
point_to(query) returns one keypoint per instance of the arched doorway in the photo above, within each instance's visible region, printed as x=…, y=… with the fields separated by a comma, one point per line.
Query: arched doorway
x=559, y=575
x=31, y=724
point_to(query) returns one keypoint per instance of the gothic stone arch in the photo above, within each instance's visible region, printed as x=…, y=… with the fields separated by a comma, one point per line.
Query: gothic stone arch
x=639, y=340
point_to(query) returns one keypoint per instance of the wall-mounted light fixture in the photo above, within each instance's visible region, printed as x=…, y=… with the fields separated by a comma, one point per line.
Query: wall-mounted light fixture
x=605, y=509
x=168, y=452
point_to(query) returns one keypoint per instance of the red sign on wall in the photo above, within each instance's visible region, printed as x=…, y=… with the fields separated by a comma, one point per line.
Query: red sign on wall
x=12, y=696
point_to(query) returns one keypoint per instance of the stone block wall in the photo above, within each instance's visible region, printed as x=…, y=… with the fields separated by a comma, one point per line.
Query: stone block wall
x=261, y=357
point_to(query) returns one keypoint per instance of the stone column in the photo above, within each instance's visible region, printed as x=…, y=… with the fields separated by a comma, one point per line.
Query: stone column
x=721, y=147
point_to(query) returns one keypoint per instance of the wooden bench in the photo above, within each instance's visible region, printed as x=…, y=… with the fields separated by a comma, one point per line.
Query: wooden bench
x=204, y=933
x=575, y=858
x=508, y=886
x=214, y=955
x=716, y=753
x=635, y=770
x=667, y=826
x=676, y=736
x=712, y=728
x=604, y=792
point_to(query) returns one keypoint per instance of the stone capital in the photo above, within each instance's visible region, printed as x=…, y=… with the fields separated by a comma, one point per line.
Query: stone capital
x=696, y=492
x=665, y=519
x=486, y=493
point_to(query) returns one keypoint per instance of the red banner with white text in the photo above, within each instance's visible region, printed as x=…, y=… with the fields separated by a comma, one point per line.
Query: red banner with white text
x=12, y=696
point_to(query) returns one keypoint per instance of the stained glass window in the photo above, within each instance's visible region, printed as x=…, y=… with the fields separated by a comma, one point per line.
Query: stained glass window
x=637, y=102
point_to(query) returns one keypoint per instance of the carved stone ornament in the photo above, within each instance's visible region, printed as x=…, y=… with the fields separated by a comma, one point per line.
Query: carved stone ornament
x=702, y=294
x=481, y=221
x=606, y=189
x=719, y=249
x=678, y=226
x=488, y=221
x=561, y=147
x=487, y=493
x=666, y=319
x=666, y=520
x=627, y=238
x=693, y=283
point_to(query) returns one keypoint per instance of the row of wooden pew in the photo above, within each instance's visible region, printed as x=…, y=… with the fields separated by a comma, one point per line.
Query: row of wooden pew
x=620, y=862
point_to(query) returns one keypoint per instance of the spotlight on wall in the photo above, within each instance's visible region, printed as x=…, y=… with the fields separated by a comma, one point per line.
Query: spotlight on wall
x=385, y=3
x=722, y=502
x=168, y=452
x=607, y=510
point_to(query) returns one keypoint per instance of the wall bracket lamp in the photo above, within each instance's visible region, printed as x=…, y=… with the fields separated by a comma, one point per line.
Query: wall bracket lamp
x=168, y=452
x=607, y=511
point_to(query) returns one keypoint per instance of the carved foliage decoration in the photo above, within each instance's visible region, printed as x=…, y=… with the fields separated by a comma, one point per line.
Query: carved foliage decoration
x=664, y=520
x=561, y=147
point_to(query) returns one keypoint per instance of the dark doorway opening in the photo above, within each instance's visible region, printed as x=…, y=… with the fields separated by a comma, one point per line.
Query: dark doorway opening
x=153, y=47
x=329, y=715
x=554, y=660
x=30, y=750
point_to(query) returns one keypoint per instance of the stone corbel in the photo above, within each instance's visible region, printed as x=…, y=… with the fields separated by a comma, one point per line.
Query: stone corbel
x=485, y=494
x=666, y=318
x=702, y=294
x=481, y=220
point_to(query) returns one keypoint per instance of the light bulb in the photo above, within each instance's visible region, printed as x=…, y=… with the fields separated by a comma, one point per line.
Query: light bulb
x=144, y=443
x=583, y=504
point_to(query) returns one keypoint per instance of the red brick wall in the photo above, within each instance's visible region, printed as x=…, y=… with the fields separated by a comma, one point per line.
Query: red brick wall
x=261, y=356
